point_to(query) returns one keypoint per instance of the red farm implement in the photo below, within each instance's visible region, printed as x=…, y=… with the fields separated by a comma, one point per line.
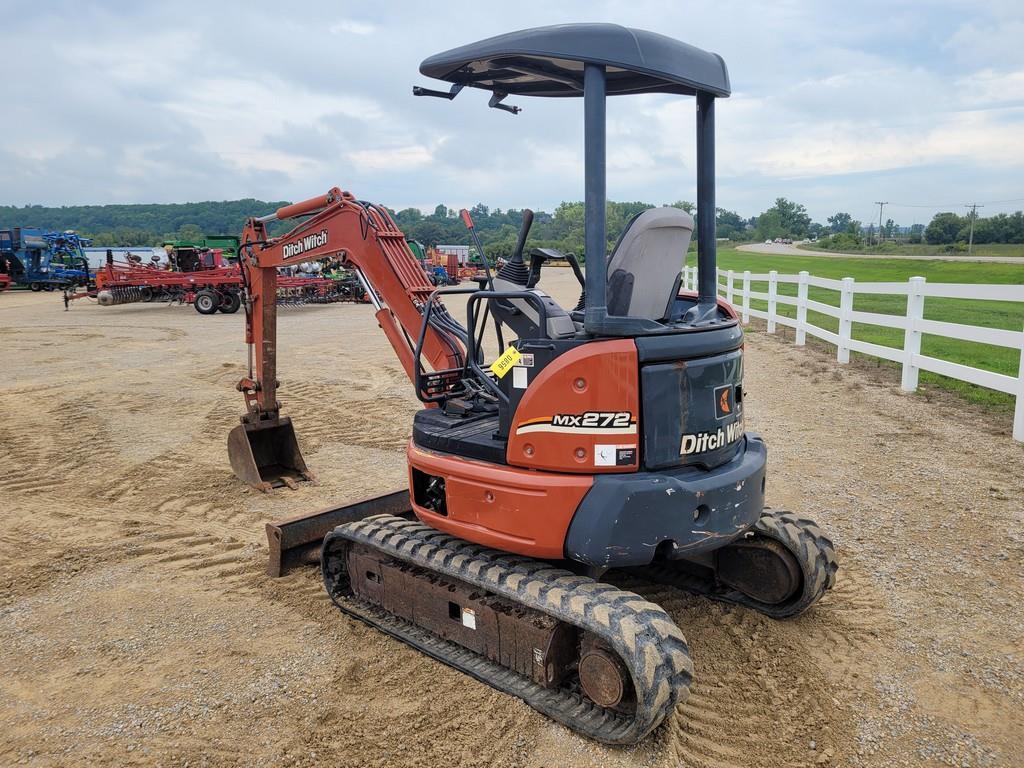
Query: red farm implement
x=215, y=286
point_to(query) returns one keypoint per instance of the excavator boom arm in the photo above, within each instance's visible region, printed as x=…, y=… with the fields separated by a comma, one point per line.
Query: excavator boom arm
x=366, y=238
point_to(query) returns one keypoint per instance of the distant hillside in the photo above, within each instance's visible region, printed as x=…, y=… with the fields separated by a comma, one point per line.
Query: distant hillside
x=139, y=224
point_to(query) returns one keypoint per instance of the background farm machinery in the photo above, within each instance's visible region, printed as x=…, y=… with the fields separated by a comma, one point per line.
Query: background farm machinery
x=41, y=260
x=210, y=283
x=445, y=267
x=185, y=255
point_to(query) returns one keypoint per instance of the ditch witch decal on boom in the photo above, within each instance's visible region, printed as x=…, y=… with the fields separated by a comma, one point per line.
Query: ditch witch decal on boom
x=308, y=243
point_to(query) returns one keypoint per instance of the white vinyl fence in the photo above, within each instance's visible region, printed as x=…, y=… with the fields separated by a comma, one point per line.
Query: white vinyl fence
x=913, y=323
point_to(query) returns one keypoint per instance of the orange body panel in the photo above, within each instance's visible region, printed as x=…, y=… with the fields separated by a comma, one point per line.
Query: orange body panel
x=581, y=414
x=515, y=510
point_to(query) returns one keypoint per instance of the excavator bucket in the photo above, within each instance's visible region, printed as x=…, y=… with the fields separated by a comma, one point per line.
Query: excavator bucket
x=266, y=454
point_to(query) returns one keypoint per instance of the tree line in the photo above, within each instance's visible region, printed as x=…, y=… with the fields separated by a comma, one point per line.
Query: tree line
x=152, y=224
x=142, y=225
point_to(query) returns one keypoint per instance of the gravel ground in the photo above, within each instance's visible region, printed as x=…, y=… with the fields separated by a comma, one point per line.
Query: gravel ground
x=137, y=627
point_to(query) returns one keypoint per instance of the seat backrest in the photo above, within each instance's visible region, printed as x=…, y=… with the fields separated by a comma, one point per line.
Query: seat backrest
x=644, y=269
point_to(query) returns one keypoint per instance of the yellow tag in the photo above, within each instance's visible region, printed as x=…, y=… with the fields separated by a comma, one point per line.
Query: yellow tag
x=506, y=362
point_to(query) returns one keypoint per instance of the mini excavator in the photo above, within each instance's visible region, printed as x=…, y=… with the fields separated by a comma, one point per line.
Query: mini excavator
x=607, y=437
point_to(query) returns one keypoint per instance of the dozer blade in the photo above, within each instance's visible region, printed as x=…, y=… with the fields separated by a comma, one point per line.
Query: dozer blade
x=298, y=539
x=266, y=454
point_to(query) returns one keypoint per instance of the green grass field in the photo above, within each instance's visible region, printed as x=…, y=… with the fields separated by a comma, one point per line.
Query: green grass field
x=992, y=314
x=924, y=249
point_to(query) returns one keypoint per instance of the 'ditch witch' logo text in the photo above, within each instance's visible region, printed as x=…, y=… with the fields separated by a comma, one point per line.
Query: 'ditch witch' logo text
x=710, y=441
x=308, y=243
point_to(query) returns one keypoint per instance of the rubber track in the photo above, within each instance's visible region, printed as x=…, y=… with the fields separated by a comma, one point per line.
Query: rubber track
x=800, y=535
x=641, y=633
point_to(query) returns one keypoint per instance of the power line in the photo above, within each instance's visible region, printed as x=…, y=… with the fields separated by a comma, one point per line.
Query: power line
x=954, y=205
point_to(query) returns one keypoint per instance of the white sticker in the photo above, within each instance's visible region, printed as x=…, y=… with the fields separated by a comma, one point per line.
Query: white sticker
x=604, y=455
x=468, y=618
x=519, y=378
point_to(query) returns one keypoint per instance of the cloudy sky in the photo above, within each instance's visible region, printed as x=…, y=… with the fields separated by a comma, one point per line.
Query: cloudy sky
x=835, y=105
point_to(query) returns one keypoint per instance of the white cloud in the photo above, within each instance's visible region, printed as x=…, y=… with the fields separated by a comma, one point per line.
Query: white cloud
x=393, y=159
x=351, y=27
x=235, y=116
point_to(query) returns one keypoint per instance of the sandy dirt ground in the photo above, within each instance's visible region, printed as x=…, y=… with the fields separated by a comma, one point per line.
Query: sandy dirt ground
x=137, y=626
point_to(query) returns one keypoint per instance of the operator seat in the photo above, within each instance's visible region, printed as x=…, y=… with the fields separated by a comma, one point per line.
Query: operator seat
x=645, y=269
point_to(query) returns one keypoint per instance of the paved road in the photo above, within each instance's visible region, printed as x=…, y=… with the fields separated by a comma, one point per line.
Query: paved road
x=792, y=250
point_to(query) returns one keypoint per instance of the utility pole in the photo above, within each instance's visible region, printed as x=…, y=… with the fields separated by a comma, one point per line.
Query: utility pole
x=881, y=204
x=974, y=214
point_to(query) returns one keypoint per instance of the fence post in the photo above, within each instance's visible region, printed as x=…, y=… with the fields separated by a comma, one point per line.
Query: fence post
x=845, y=323
x=773, y=288
x=728, y=286
x=912, y=336
x=746, y=298
x=1018, y=411
x=801, y=309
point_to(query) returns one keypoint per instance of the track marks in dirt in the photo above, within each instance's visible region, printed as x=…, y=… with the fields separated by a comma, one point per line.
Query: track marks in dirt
x=233, y=564
x=36, y=461
x=758, y=697
x=843, y=633
x=168, y=470
x=60, y=446
x=380, y=421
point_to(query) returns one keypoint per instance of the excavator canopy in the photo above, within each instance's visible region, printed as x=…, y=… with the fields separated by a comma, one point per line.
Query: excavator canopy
x=549, y=61
x=595, y=61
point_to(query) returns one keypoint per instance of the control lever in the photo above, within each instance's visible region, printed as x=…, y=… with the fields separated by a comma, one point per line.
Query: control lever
x=468, y=221
x=517, y=254
x=487, y=280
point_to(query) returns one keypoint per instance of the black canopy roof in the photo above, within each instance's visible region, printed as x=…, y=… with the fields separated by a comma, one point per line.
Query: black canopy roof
x=548, y=61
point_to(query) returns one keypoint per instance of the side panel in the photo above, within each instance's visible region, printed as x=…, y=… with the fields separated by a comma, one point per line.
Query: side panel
x=511, y=509
x=693, y=410
x=581, y=414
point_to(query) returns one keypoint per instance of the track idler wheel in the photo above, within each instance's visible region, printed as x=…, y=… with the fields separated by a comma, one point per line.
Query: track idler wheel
x=781, y=568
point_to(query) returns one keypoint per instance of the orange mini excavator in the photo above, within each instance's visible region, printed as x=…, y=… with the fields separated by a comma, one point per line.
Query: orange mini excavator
x=607, y=437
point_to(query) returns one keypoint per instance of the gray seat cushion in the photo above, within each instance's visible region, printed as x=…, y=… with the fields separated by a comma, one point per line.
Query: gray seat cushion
x=644, y=270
